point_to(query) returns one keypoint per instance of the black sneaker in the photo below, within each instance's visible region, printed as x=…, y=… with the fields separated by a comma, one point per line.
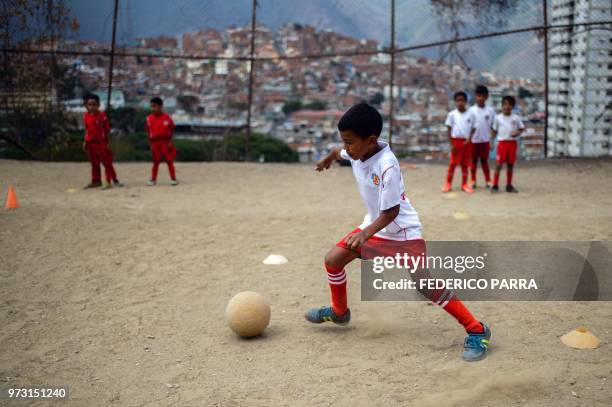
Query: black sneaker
x=510, y=188
x=495, y=188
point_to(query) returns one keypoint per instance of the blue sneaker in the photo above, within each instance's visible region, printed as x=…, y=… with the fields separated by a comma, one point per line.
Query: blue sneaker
x=476, y=344
x=326, y=314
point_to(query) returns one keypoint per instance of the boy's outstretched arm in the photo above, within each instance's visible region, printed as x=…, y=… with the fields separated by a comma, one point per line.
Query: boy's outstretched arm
x=358, y=239
x=326, y=162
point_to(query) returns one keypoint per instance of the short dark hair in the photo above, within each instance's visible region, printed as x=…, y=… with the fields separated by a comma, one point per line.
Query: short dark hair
x=509, y=99
x=89, y=96
x=363, y=120
x=157, y=101
x=481, y=90
x=460, y=94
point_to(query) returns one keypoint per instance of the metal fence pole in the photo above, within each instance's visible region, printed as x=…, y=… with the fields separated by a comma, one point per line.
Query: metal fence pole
x=251, y=72
x=392, y=76
x=112, y=57
x=545, y=23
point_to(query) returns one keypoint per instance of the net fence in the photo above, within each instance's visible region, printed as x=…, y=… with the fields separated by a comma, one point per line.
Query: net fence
x=239, y=75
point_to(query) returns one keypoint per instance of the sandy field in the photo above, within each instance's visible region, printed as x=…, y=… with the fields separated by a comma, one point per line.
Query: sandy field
x=121, y=294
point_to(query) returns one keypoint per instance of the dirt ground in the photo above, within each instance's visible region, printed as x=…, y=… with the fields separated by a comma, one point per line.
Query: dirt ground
x=120, y=294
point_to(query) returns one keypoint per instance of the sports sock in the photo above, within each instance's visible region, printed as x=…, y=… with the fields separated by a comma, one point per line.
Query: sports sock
x=464, y=174
x=509, y=176
x=337, y=285
x=454, y=306
x=485, y=169
x=450, y=173
x=496, y=178
x=473, y=170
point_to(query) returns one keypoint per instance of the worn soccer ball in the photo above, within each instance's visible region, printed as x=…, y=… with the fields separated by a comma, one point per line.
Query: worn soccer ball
x=248, y=314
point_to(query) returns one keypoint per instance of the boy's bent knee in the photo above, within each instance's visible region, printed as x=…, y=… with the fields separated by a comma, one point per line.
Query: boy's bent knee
x=338, y=257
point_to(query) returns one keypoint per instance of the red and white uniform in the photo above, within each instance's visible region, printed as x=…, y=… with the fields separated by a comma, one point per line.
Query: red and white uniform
x=483, y=123
x=461, y=125
x=97, y=128
x=507, y=144
x=381, y=187
x=484, y=117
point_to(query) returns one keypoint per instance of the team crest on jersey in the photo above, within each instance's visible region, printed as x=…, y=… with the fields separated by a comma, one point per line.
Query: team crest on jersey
x=375, y=179
x=166, y=122
x=487, y=117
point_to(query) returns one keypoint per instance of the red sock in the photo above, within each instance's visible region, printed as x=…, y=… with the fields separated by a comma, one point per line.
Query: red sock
x=496, y=178
x=455, y=307
x=485, y=169
x=450, y=173
x=171, y=170
x=337, y=285
x=473, y=169
x=464, y=174
x=509, y=177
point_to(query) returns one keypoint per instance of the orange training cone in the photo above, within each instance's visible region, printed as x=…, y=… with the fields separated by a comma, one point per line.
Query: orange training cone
x=11, y=199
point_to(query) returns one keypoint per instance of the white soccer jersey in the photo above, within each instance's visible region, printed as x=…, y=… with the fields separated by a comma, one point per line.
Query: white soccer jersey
x=381, y=187
x=483, y=123
x=506, y=125
x=461, y=124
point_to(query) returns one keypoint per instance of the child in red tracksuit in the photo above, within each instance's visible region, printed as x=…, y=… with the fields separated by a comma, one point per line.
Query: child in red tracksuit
x=97, y=128
x=160, y=128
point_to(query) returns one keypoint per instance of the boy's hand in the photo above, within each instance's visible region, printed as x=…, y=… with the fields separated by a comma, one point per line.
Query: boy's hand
x=323, y=164
x=85, y=146
x=515, y=133
x=356, y=240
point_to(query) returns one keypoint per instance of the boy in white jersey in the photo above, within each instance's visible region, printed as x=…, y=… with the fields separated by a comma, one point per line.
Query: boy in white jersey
x=483, y=123
x=460, y=124
x=391, y=224
x=507, y=128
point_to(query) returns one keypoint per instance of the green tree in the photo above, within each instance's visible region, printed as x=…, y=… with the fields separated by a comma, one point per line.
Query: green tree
x=377, y=98
x=316, y=105
x=292, y=106
x=189, y=103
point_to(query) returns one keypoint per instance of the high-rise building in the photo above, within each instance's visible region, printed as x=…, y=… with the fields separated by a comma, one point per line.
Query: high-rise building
x=580, y=80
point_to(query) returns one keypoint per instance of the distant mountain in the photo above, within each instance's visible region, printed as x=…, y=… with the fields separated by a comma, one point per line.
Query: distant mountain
x=518, y=55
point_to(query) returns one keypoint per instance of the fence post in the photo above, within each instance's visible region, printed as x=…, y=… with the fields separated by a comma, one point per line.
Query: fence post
x=112, y=57
x=392, y=76
x=545, y=15
x=251, y=69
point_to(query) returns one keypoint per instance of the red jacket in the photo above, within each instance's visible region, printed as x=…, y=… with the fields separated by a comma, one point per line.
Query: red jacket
x=160, y=126
x=97, y=127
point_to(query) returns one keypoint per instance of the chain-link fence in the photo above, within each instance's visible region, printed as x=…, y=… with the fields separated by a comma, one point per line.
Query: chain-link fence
x=238, y=76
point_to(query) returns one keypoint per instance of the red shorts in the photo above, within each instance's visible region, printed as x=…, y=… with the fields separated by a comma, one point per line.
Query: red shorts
x=160, y=150
x=462, y=154
x=481, y=151
x=506, y=152
x=377, y=246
